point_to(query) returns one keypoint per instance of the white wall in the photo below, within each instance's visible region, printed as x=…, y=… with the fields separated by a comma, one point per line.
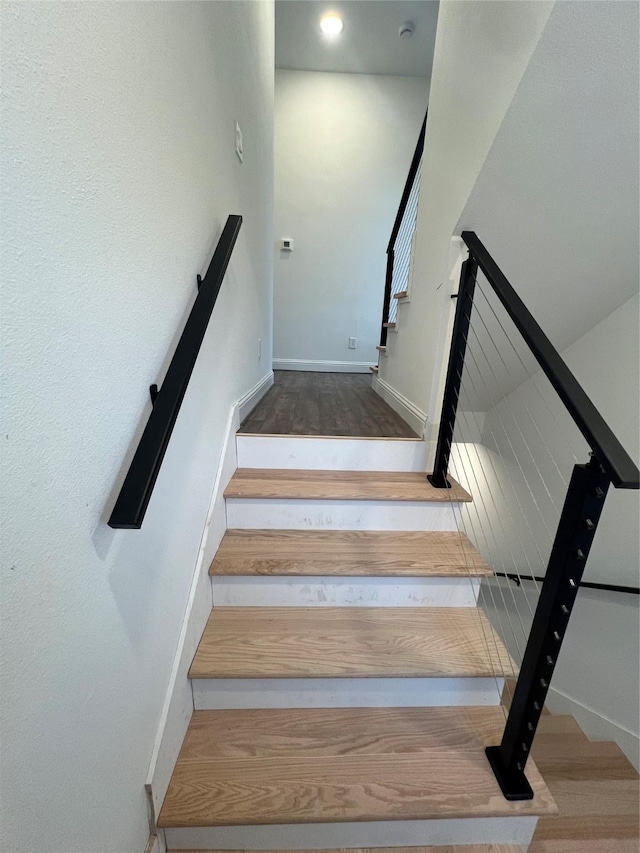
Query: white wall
x=556, y=202
x=118, y=173
x=517, y=476
x=344, y=143
x=554, y=195
x=482, y=51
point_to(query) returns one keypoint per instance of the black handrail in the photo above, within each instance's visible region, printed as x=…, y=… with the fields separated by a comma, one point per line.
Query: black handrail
x=408, y=185
x=404, y=200
x=622, y=470
x=609, y=463
x=136, y=490
x=600, y=437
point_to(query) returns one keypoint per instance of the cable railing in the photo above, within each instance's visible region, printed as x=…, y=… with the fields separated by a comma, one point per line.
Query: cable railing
x=519, y=433
x=399, y=249
x=135, y=494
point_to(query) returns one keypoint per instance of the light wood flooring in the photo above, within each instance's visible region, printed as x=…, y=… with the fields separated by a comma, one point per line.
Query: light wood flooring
x=594, y=786
x=290, y=483
x=315, y=765
x=337, y=642
x=350, y=553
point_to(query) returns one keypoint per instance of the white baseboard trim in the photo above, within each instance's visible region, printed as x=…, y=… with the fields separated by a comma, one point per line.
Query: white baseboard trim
x=517, y=831
x=322, y=366
x=414, y=416
x=178, y=704
x=595, y=725
x=248, y=403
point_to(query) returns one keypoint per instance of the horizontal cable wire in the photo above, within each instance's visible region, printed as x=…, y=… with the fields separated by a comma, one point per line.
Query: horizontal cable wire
x=497, y=515
x=516, y=480
x=457, y=514
x=478, y=494
x=515, y=420
x=528, y=375
x=526, y=444
x=524, y=477
x=497, y=476
x=487, y=513
x=531, y=376
x=402, y=247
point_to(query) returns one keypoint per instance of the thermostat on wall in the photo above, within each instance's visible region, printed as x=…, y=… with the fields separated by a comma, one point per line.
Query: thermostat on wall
x=287, y=244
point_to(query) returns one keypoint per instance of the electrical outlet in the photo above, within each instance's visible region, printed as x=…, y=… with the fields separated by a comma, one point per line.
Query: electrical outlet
x=353, y=342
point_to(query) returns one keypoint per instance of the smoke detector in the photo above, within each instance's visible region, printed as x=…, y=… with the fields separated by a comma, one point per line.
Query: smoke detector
x=407, y=30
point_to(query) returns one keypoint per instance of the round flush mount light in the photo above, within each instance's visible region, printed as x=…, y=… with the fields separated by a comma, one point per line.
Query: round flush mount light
x=407, y=30
x=331, y=25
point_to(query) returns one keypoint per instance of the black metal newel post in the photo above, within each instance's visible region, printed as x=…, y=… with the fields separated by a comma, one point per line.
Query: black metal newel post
x=457, y=352
x=577, y=526
x=386, y=306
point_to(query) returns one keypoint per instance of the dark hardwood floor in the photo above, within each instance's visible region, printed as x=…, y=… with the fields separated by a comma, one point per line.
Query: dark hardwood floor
x=301, y=403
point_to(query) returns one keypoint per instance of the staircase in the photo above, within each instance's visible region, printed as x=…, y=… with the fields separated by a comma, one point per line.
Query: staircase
x=595, y=787
x=346, y=683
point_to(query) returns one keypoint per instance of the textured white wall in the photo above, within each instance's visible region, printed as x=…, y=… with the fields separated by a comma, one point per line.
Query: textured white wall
x=118, y=173
x=482, y=51
x=518, y=477
x=344, y=143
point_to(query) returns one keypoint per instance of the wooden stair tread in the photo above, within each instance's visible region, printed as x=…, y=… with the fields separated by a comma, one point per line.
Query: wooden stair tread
x=381, y=349
x=349, y=642
x=583, y=845
x=402, y=294
x=290, y=483
x=574, y=758
x=389, y=325
x=601, y=797
x=596, y=789
x=374, y=368
x=311, y=765
x=588, y=828
x=559, y=724
x=387, y=553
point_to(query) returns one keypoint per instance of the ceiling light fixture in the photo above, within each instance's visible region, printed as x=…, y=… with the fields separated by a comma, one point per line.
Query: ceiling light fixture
x=331, y=25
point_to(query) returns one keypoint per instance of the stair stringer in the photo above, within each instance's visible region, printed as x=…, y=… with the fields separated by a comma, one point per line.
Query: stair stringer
x=178, y=705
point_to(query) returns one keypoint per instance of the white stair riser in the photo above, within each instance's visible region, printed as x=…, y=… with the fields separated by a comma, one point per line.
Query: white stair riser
x=211, y=694
x=339, y=454
x=291, y=514
x=369, y=834
x=344, y=592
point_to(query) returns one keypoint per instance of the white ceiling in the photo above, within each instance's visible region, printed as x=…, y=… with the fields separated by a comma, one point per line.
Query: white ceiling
x=369, y=43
